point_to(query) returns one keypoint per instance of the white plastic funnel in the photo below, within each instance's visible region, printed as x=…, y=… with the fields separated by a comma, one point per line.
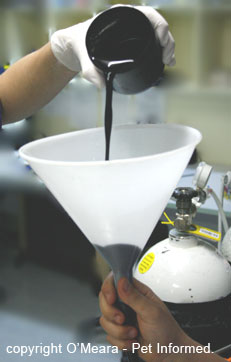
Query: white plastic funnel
x=115, y=203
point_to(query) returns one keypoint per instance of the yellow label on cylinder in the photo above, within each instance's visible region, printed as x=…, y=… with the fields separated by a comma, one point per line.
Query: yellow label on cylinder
x=146, y=263
x=205, y=233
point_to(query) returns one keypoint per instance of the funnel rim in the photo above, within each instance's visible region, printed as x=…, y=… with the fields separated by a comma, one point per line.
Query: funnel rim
x=22, y=150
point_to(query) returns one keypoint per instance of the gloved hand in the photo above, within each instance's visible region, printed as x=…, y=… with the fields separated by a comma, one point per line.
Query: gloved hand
x=68, y=45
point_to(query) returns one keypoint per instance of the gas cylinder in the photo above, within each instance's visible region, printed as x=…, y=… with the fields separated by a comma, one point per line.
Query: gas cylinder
x=191, y=276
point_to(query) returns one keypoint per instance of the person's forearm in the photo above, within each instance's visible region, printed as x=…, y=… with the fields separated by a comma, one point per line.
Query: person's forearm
x=31, y=83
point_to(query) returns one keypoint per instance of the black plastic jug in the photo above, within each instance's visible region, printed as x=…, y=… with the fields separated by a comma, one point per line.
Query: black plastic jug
x=122, y=40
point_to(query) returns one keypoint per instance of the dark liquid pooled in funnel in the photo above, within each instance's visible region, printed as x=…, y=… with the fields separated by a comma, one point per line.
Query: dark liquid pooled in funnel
x=121, y=258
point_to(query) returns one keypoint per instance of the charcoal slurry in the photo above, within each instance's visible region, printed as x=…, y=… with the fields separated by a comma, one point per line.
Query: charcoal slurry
x=121, y=258
x=108, y=113
x=121, y=55
x=113, y=68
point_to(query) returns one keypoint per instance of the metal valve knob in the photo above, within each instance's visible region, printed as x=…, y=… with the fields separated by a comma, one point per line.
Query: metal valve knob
x=185, y=208
x=184, y=196
x=184, y=193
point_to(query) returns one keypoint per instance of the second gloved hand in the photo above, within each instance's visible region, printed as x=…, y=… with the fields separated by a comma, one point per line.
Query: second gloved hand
x=68, y=46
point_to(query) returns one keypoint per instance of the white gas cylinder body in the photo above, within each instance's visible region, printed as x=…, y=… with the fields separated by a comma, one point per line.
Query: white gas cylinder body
x=184, y=269
x=226, y=245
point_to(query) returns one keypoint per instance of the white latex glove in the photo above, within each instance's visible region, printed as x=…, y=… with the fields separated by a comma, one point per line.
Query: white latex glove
x=68, y=45
x=160, y=26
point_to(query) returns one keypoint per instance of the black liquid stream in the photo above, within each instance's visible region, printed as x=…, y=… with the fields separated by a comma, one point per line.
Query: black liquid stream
x=129, y=313
x=108, y=113
x=113, y=68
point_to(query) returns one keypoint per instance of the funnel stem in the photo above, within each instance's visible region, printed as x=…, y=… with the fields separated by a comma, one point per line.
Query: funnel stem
x=130, y=319
x=131, y=357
